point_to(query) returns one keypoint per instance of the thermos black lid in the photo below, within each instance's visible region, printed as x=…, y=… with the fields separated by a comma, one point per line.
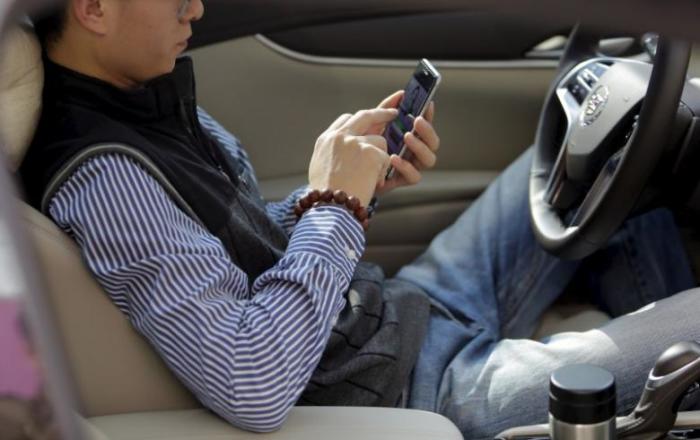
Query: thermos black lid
x=582, y=394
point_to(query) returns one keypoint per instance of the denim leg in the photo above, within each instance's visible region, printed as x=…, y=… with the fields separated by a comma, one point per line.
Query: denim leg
x=488, y=267
x=643, y=262
x=509, y=386
x=490, y=275
x=490, y=280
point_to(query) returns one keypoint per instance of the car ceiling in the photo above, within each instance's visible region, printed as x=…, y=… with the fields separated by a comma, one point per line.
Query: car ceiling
x=228, y=19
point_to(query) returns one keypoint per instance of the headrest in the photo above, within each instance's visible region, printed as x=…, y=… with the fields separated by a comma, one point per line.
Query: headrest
x=21, y=85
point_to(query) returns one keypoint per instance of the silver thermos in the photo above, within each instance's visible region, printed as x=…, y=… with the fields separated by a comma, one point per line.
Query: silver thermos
x=582, y=403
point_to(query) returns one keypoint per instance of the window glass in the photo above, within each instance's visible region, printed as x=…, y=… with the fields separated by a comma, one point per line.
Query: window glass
x=24, y=409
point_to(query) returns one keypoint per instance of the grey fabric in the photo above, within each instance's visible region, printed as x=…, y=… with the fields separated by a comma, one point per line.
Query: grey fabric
x=374, y=344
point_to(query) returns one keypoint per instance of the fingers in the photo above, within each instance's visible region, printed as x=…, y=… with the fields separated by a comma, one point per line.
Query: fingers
x=363, y=120
x=381, y=180
x=406, y=170
x=392, y=101
x=430, y=113
x=427, y=133
x=424, y=156
x=376, y=146
x=342, y=119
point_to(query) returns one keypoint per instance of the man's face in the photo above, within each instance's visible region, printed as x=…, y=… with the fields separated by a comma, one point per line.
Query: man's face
x=146, y=36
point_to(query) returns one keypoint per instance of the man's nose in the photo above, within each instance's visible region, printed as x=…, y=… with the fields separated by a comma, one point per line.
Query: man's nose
x=195, y=11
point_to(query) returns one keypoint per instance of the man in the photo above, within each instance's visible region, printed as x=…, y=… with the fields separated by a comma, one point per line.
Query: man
x=255, y=312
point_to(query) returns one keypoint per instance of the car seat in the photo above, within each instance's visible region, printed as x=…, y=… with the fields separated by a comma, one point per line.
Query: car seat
x=123, y=387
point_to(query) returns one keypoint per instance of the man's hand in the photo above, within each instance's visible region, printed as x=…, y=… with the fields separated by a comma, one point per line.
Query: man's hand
x=351, y=154
x=423, y=144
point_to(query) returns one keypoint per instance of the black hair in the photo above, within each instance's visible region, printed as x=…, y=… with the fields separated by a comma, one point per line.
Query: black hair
x=49, y=24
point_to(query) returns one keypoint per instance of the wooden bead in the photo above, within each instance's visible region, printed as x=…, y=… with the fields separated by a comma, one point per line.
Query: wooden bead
x=314, y=196
x=352, y=203
x=305, y=203
x=327, y=195
x=340, y=197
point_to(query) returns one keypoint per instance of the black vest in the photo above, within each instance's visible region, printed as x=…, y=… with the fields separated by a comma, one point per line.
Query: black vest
x=376, y=340
x=160, y=121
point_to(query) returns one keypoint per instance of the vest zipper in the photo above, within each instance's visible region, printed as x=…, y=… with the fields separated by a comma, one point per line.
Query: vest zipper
x=193, y=130
x=190, y=122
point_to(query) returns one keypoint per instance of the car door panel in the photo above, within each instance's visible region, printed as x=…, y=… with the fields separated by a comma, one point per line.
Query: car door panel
x=278, y=101
x=465, y=35
x=226, y=19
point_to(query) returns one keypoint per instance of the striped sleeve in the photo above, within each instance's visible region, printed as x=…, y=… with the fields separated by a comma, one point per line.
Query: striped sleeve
x=281, y=212
x=246, y=353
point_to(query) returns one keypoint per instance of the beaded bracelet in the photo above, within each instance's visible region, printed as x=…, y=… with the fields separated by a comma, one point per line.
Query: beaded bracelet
x=316, y=197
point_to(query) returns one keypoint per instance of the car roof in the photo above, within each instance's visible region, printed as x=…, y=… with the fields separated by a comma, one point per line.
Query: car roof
x=226, y=19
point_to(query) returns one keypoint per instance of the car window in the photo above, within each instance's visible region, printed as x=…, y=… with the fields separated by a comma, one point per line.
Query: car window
x=24, y=409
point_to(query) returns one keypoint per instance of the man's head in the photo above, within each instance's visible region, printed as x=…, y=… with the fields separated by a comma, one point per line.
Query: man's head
x=124, y=42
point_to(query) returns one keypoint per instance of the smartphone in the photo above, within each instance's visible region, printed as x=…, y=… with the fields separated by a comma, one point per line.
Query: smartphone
x=417, y=96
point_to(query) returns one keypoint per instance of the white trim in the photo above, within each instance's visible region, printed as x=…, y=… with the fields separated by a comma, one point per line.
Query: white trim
x=371, y=62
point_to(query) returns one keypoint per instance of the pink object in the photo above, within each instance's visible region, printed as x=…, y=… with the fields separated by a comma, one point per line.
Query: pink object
x=19, y=376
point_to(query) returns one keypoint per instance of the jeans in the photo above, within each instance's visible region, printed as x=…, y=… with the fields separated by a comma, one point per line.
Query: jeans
x=490, y=282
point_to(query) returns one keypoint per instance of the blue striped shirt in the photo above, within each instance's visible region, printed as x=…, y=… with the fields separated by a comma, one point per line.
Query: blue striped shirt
x=246, y=353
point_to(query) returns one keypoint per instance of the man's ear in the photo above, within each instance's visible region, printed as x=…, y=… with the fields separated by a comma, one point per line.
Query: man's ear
x=90, y=14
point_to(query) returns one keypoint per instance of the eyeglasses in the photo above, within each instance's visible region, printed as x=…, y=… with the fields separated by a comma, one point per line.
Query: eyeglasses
x=184, y=7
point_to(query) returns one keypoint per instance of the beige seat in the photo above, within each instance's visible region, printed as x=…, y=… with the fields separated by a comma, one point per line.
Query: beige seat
x=125, y=391
x=104, y=351
x=114, y=368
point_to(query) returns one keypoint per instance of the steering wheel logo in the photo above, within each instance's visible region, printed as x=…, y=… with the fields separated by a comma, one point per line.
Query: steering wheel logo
x=594, y=105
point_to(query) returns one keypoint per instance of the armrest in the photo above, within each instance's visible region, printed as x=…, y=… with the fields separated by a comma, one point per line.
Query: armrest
x=337, y=423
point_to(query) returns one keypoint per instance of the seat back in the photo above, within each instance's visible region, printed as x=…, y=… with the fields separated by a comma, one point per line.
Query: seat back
x=21, y=81
x=114, y=368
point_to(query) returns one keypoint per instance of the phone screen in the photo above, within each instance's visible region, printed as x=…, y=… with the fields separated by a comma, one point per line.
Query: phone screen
x=416, y=96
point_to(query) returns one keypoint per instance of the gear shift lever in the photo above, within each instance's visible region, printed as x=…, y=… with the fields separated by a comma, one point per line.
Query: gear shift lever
x=671, y=379
x=676, y=370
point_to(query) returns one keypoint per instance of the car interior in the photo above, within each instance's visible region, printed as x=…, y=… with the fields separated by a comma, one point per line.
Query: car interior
x=276, y=80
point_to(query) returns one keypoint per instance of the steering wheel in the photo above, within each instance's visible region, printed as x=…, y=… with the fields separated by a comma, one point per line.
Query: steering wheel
x=603, y=128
